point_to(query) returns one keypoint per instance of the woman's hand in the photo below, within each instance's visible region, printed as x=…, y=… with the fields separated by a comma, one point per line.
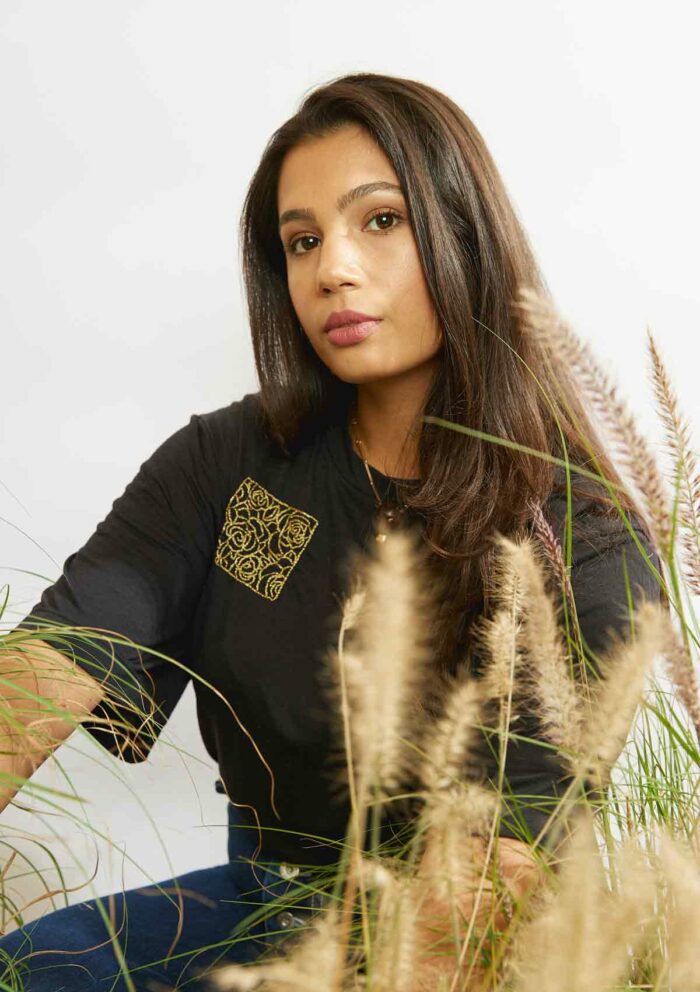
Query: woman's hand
x=436, y=952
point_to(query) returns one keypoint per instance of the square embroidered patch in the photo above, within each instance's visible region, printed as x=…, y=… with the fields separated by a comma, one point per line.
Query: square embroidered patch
x=262, y=538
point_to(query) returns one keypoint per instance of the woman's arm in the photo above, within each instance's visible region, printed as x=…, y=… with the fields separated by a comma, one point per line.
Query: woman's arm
x=30, y=731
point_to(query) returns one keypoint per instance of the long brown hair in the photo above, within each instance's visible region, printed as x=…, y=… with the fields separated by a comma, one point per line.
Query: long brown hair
x=475, y=256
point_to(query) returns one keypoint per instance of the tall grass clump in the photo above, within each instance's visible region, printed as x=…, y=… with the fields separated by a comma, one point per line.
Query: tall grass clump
x=462, y=897
x=611, y=899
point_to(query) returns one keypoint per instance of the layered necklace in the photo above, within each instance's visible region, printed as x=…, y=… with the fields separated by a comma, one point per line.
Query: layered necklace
x=387, y=516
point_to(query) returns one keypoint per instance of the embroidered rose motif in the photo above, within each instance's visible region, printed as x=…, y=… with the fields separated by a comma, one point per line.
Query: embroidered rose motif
x=262, y=538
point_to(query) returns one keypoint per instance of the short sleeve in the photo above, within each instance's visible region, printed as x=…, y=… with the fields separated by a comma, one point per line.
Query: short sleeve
x=137, y=580
x=605, y=562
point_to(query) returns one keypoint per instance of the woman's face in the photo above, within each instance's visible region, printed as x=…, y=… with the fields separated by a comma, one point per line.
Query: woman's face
x=360, y=256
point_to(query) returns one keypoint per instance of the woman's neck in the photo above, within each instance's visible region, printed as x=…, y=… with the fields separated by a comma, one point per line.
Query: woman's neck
x=389, y=434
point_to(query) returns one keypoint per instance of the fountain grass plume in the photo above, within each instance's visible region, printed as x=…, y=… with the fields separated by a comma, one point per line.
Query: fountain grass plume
x=682, y=672
x=394, y=956
x=615, y=698
x=552, y=549
x=681, y=912
x=545, y=326
x=308, y=968
x=387, y=665
x=677, y=434
x=544, y=665
x=580, y=936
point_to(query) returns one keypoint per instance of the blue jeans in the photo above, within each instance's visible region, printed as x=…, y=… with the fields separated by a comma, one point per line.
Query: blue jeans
x=168, y=940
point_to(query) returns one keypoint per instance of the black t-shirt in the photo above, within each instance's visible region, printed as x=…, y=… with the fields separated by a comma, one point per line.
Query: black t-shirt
x=230, y=557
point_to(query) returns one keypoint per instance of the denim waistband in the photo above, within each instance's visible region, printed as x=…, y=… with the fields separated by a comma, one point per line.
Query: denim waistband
x=266, y=877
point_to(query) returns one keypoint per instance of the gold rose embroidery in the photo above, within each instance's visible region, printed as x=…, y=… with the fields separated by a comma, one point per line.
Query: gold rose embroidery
x=262, y=538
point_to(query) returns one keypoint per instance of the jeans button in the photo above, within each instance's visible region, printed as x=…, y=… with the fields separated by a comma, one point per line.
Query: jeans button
x=288, y=871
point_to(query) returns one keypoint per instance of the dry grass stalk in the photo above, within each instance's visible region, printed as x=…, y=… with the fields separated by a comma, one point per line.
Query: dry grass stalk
x=681, y=670
x=391, y=658
x=357, y=707
x=581, y=936
x=353, y=603
x=394, y=953
x=451, y=819
x=452, y=738
x=308, y=967
x=682, y=913
x=616, y=696
x=627, y=911
x=591, y=738
x=677, y=432
x=553, y=550
x=453, y=808
x=558, y=947
x=546, y=675
x=546, y=326
x=505, y=586
x=498, y=638
x=375, y=873
x=381, y=680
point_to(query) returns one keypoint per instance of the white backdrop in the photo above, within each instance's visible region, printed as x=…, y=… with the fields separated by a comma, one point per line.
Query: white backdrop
x=129, y=131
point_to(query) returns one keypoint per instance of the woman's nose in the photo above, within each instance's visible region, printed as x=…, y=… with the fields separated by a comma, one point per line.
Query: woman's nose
x=337, y=263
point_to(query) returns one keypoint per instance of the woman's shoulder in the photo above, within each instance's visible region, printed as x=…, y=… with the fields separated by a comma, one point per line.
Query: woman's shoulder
x=237, y=427
x=244, y=411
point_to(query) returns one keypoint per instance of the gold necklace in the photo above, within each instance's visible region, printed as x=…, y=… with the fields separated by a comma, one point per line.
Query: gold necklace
x=387, y=516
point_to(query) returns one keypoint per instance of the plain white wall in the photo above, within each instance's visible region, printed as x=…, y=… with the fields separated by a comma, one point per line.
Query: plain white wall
x=129, y=132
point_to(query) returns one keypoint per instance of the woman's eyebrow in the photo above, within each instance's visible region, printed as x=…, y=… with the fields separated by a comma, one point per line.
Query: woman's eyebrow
x=343, y=201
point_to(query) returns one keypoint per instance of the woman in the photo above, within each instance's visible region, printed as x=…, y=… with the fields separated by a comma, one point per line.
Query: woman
x=381, y=258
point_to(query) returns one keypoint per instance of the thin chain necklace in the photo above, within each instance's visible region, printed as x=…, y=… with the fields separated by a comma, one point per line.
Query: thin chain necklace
x=387, y=516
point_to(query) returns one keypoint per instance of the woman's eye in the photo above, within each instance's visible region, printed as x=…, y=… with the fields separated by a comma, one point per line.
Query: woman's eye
x=379, y=215
x=382, y=214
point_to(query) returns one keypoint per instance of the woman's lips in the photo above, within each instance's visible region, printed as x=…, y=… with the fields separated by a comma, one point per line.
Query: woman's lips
x=352, y=333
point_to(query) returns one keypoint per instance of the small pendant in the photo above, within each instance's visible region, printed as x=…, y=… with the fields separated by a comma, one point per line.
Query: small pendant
x=394, y=515
x=387, y=518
